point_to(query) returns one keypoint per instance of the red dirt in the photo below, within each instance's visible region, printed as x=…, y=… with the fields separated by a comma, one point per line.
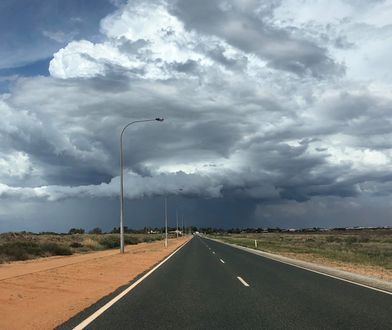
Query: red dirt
x=43, y=293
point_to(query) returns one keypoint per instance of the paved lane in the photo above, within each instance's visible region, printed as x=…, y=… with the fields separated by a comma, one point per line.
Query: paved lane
x=209, y=285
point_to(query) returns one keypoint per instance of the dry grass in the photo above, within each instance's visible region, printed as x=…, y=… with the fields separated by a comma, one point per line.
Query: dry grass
x=360, y=247
x=23, y=246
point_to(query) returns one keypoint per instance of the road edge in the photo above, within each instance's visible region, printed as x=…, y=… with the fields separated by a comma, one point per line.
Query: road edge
x=117, y=294
x=357, y=279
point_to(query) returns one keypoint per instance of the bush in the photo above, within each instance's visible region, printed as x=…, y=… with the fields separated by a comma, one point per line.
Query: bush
x=131, y=240
x=73, y=231
x=110, y=242
x=351, y=239
x=149, y=239
x=56, y=249
x=76, y=245
x=20, y=250
x=91, y=244
x=26, y=250
x=363, y=239
x=331, y=239
x=96, y=231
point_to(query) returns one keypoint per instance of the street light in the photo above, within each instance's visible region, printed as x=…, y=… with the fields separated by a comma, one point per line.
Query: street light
x=122, y=178
x=177, y=223
x=166, y=218
x=165, y=221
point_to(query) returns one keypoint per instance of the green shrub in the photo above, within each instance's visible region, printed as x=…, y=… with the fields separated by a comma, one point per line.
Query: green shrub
x=331, y=239
x=20, y=250
x=26, y=250
x=131, y=240
x=73, y=231
x=110, y=242
x=56, y=249
x=96, y=231
x=149, y=239
x=76, y=245
x=351, y=239
x=363, y=239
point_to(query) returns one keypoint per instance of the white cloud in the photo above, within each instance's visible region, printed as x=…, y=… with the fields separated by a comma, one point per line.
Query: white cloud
x=15, y=164
x=60, y=36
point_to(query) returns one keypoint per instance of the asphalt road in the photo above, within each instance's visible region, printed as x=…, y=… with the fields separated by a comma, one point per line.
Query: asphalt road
x=199, y=288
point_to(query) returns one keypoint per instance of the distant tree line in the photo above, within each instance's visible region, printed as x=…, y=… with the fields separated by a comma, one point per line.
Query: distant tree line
x=192, y=229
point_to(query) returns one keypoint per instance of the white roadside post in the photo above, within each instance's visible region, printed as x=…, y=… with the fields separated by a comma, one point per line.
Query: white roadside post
x=256, y=244
x=122, y=178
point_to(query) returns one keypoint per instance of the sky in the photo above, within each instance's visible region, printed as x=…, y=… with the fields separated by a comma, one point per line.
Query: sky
x=277, y=113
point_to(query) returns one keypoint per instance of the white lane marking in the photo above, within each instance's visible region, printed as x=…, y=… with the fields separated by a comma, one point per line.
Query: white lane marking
x=242, y=281
x=213, y=252
x=221, y=261
x=335, y=277
x=92, y=317
x=304, y=268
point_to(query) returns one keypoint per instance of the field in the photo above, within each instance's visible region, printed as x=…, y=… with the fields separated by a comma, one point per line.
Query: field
x=23, y=246
x=369, y=249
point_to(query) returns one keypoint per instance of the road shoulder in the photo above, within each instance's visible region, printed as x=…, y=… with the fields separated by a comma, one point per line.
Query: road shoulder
x=367, y=281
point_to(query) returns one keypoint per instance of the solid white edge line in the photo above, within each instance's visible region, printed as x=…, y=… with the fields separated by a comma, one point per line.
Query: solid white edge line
x=335, y=277
x=308, y=269
x=221, y=261
x=242, y=281
x=105, y=307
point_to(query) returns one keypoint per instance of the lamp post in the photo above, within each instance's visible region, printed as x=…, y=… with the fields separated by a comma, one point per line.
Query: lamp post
x=122, y=178
x=177, y=223
x=165, y=221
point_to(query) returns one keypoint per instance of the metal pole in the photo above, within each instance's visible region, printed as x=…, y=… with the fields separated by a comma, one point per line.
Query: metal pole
x=165, y=221
x=121, y=195
x=182, y=218
x=122, y=179
x=177, y=222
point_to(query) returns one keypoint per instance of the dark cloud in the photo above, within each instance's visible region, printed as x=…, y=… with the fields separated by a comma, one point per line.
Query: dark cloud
x=248, y=27
x=253, y=133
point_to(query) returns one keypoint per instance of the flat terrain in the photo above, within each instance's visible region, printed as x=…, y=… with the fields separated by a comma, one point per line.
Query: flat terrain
x=43, y=293
x=24, y=246
x=204, y=286
x=366, y=252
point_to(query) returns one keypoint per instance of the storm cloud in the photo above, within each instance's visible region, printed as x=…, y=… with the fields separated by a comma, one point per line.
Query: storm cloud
x=264, y=107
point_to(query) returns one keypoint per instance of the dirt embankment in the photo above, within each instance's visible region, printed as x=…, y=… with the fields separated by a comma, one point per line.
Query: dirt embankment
x=43, y=293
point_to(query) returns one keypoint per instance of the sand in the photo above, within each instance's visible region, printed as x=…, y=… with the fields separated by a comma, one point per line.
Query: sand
x=43, y=293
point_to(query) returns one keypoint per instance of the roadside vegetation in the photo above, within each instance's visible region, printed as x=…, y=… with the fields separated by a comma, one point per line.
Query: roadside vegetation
x=24, y=245
x=363, y=247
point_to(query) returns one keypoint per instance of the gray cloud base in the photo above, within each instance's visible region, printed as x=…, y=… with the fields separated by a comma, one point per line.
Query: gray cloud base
x=257, y=114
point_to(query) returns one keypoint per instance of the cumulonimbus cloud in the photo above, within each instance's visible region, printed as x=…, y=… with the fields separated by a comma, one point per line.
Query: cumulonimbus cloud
x=277, y=119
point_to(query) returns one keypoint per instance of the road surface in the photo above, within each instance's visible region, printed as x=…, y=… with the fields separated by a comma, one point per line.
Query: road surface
x=210, y=285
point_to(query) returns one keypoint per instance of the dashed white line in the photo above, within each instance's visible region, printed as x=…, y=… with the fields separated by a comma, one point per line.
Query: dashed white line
x=221, y=261
x=242, y=281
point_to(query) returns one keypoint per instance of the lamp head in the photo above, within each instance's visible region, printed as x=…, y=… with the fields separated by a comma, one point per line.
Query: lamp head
x=159, y=119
